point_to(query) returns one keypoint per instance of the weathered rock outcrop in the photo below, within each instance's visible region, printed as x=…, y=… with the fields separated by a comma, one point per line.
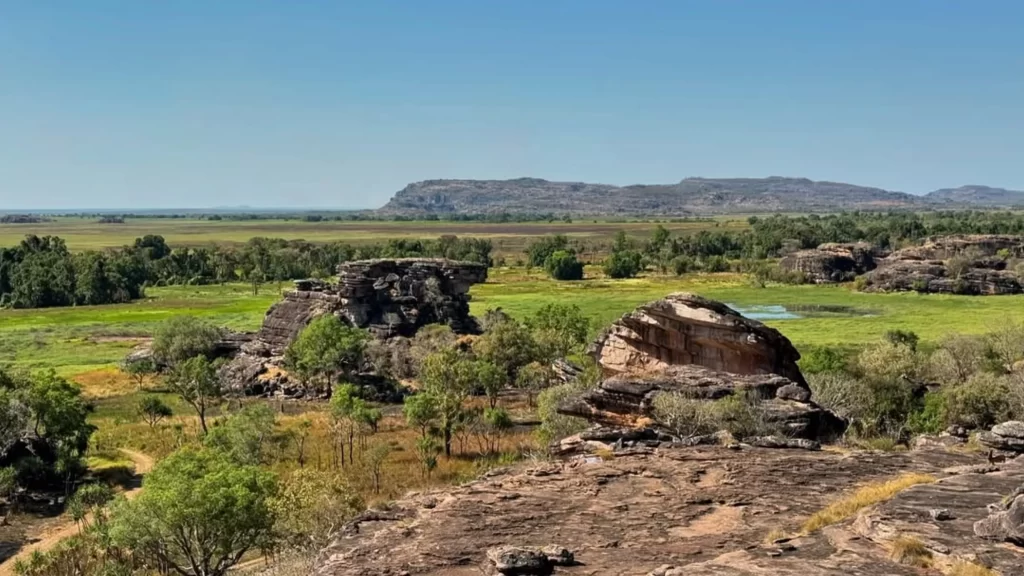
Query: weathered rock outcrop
x=1007, y=437
x=958, y=264
x=831, y=263
x=387, y=297
x=703, y=510
x=702, y=350
x=685, y=328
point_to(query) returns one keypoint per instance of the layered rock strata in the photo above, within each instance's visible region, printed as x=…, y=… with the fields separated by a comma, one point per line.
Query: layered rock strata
x=832, y=263
x=703, y=350
x=388, y=297
x=958, y=264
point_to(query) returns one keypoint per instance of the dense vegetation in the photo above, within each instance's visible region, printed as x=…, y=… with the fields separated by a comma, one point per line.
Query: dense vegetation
x=42, y=272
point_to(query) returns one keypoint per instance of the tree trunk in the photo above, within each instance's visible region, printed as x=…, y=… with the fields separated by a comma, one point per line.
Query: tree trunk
x=448, y=441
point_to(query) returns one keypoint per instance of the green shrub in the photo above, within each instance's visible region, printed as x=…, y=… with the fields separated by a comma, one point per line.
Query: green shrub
x=846, y=395
x=980, y=402
x=860, y=283
x=682, y=264
x=823, y=359
x=624, y=264
x=563, y=265
x=931, y=418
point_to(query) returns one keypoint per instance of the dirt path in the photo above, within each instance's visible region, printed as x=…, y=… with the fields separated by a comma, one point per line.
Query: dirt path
x=46, y=540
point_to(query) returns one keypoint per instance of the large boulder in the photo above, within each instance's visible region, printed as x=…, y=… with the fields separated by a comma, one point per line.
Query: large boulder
x=684, y=328
x=831, y=263
x=700, y=349
x=1007, y=437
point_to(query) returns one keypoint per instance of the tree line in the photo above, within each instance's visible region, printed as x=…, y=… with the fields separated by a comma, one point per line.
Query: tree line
x=41, y=272
x=769, y=237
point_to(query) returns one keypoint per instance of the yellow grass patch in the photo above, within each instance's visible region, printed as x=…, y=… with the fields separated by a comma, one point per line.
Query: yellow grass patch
x=105, y=383
x=965, y=568
x=910, y=551
x=865, y=496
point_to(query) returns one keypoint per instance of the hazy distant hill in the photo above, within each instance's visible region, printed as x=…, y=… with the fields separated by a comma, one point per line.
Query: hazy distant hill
x=690, y=196
x=979, y=196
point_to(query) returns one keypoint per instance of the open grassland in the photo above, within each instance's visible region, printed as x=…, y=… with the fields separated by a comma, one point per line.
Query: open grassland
x=829, y=315
x=86, y=342
x=508, y=239
x=84, y=339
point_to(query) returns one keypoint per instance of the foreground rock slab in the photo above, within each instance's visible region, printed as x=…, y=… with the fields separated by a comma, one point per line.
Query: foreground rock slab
x=701, y=510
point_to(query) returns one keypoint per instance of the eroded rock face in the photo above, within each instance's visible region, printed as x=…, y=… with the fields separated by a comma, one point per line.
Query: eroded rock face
x=832, y=263
x=684, y=328
x=627, y=400
x=957, y=264
x=698, y=348
x=1007, y=437
x=389, y=298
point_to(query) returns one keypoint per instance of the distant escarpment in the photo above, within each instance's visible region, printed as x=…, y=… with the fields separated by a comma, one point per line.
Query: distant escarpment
x=697, y=196
x=978, y=197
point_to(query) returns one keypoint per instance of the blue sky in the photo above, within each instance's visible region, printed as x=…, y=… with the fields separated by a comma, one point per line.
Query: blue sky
x=195, y=103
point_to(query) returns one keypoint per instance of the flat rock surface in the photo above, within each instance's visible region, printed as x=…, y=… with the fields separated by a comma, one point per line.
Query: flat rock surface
x=700, y=510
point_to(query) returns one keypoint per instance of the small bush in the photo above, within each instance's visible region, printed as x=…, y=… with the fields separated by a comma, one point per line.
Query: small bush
x=563, y=265
x=910, y=551
x=931, y=418
x=867, y=495
x=842, y=393
x=685, y=417
x=625, y=264
x=860, y=283
x=980, y=402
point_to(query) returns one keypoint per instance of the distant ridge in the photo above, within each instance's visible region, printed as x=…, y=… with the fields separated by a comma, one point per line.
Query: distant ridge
x=978, y=196
x=692, y=196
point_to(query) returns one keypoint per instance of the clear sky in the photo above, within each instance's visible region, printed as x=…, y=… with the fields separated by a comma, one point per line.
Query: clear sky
x=199, y=103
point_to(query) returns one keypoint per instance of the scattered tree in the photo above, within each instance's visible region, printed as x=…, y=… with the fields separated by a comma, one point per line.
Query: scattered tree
x=533, y=378
x=199, y=512
x=324, y=350
x=449, y=377
x=421, y=411
x=138, y=370
x=153, y=410
x=197, y=383
x=376, y=456
x=244, y=436
x=182, y=338
x=559, y=329
x=491, y=379
x=427, y=450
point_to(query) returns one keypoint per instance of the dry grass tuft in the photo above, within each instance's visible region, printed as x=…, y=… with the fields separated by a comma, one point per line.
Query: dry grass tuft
x=965, y=568
x=773, y=535
x=865, y=496
x=910, y=551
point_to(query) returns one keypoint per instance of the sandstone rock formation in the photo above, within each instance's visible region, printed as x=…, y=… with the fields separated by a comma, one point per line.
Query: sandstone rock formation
x=703, y=350
x=957, y=264
x=698, y=511
x=685, y=328
x=1007, y=437
x=387, y=297
x=831, y=263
